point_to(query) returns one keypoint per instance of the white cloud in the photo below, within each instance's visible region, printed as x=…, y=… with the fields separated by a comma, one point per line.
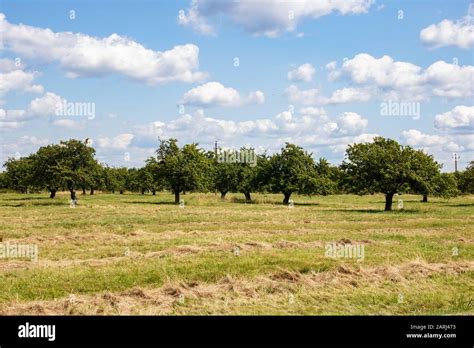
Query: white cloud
x=459, y=118
x=32, y=140
x=304, y=72
x=414, y=137
x=311, y=127
x=449, y=33
x=121, y=141
x=348, y=95
x=83, y=55
x=404, y=80
x=339, y=96
x=14, y=78
x=440, y=146
x=10, y=124
x=45, y=105
x=450, y=80
x=194, y=20
x=303, y=97
x=69, y=124
x=48, y=104
x=215, y=94
x=270, y=18
x=352, y=123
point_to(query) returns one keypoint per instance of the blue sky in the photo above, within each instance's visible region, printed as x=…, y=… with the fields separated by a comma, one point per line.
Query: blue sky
x=310, y=72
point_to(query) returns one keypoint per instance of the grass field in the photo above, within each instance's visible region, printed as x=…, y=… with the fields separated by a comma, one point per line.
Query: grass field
x=140, y=254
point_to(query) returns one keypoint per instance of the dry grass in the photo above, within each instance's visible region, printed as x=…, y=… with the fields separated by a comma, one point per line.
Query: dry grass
x=133, y=254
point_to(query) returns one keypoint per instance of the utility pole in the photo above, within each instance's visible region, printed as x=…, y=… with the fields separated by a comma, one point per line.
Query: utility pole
x=456, y=158
x=217, y=159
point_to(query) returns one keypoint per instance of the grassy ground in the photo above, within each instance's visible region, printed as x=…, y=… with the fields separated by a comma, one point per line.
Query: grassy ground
x=140, y=254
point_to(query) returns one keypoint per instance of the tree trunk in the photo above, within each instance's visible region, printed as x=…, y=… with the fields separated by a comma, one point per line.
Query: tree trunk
x=223, y=193
x=92, y=192
x=52, y=194
x=176, y=197
x=388, y=201
x=143, y=191
x=247, y=196
x=83, y=190
x=286, y=200
x=73, y=194
x=153, y=192
x=121, y=192
x=425, y=198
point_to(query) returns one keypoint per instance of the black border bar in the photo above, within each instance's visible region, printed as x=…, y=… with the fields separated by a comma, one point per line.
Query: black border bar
x=245, y=330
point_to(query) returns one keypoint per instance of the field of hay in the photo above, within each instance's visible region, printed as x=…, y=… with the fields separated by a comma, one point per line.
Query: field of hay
x=141, y=254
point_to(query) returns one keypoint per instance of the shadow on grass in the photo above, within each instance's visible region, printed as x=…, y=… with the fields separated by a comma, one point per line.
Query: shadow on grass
x=39, y=204
x=375, y=211
x=27, y=198
x=148, y=202
x=460, y=205
x=244, y=201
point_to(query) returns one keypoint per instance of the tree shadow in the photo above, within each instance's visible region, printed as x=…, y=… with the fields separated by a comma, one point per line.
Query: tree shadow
x=460, y=205
x=278, y=203
x=39, y=204
x=375, y=211
x=154, y=203
x=27, y=198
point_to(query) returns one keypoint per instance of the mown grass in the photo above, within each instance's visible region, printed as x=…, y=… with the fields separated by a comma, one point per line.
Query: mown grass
x=113, y=243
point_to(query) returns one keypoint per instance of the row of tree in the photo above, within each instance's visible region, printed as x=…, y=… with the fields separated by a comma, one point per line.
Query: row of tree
x=381, y=166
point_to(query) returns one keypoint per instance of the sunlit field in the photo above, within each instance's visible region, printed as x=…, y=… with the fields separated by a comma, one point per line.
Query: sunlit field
x=141, y=254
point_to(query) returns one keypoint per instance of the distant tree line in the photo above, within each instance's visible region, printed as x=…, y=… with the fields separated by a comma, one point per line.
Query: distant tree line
x=382, y=166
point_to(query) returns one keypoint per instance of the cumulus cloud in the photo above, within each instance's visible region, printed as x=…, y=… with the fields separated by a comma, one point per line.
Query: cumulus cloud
x=49, y=104
x=404, y=80
x=82, y=55
x=215, y=94
x=270, y=18
x=14, y=78
x=193, y=19
x=352, y=123
x=441, y=146
x=339, y=96
x=69, y=124
x=414, y=137
x=459, y=118
x=456, y=135
x=304, y=72
x=121, y=141
x=310, y=126
x=22, y=146
x=458, y=33
x=45, y=105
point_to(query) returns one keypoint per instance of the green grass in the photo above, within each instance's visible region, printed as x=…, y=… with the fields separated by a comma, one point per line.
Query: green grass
x=111, y=244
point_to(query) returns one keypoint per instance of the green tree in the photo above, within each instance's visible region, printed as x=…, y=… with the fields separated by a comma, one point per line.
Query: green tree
x=225, y=177
x=293, y=170
x=3, y=180
x=466, y=179
x=133, y=182
x=427, y=174
x=445, y=185
x=96, y=177
x=47, y=168
x=18, y=175
x=387, y=167
x=121, y=179
x=77, y=158
x=183, y=169
x=109, y=179
x=151, y=176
